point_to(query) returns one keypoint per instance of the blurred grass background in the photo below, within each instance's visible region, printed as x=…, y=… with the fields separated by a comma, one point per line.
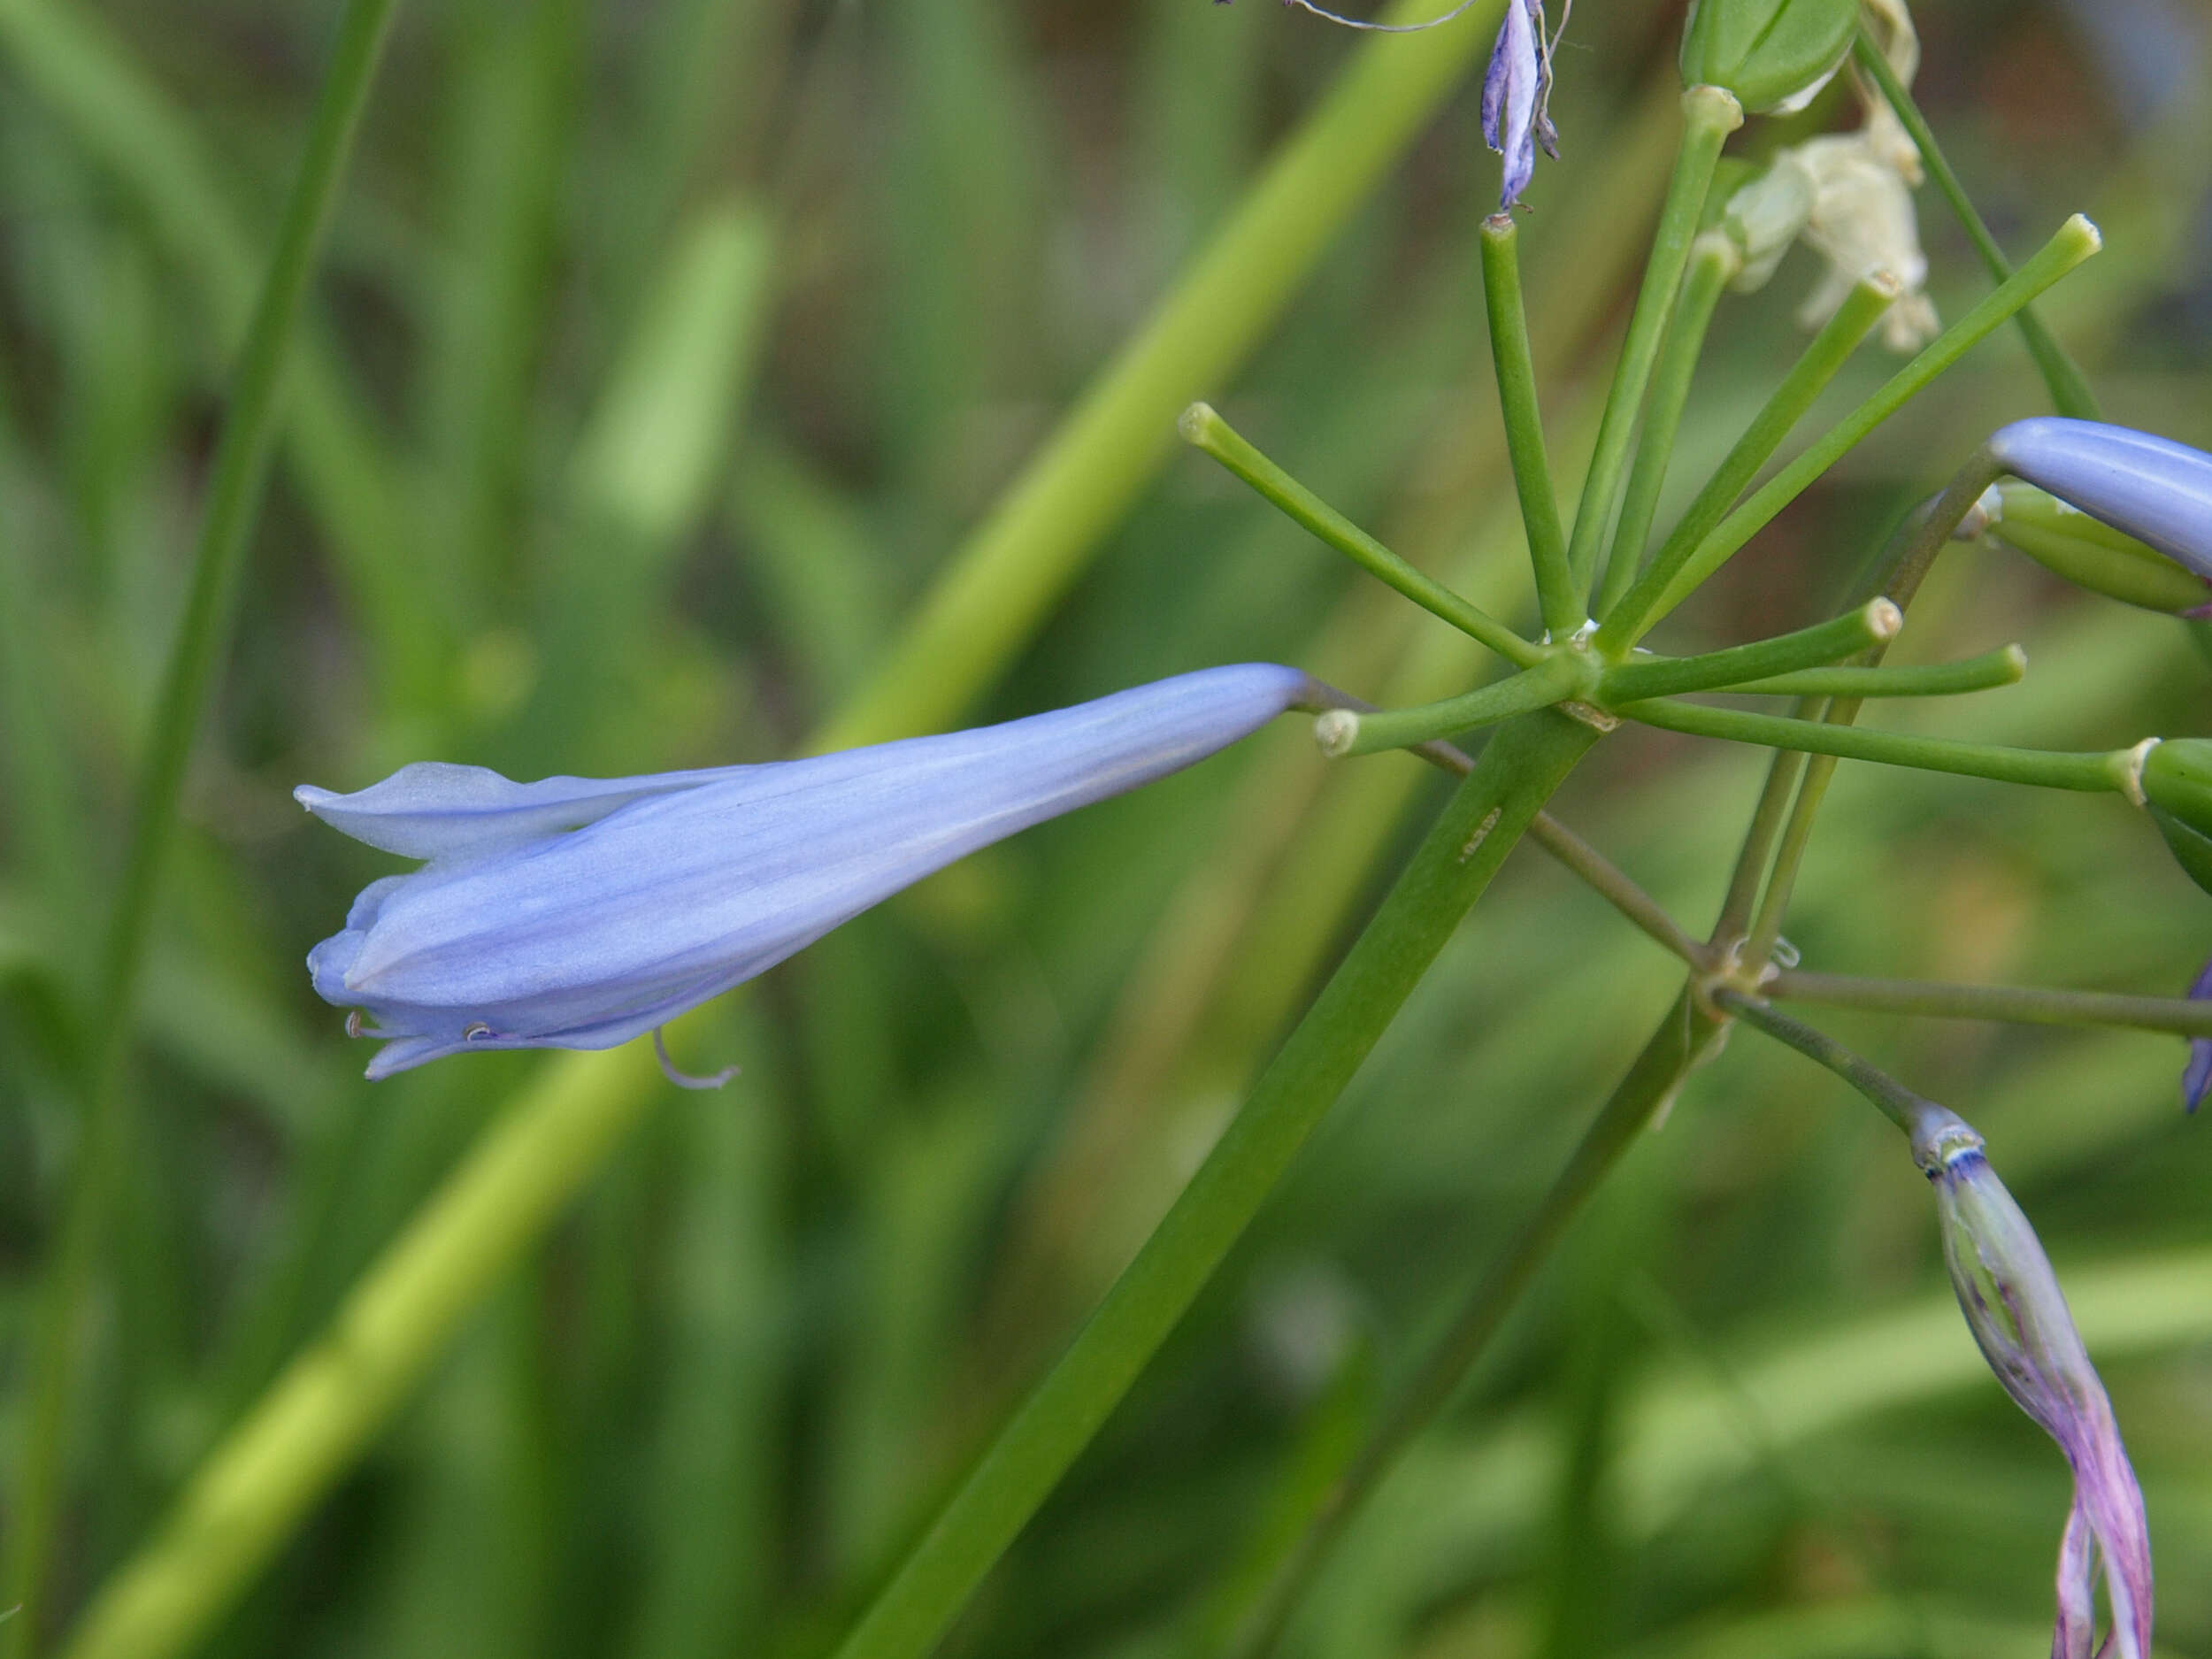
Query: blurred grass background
x=662, y=353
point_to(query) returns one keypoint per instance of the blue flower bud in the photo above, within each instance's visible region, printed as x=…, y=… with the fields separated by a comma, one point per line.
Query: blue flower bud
x=578, y=913
x=1767, y=53
x=2018, y=1317
x=2152, y=488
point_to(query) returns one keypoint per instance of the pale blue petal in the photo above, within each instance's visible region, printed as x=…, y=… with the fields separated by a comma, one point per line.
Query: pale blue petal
x=434, y=809
x=2158, y=491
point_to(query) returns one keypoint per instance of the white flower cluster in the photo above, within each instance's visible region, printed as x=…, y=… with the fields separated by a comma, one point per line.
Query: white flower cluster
x=1849, y=197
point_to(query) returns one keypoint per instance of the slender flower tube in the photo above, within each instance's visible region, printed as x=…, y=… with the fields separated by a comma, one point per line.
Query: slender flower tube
x=579, y=913
x=2158, y=491
x=2013, y=1305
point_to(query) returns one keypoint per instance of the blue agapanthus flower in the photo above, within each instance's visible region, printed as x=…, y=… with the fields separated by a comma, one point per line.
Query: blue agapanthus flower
x=579, y=913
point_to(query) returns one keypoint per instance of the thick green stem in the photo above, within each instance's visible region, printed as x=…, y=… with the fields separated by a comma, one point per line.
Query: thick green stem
x=1684, y=1038
x=1871, y=624
x=2003, y=667
x=1343, y=732
x=239, y=473
x=1557, y=593
x=2014, y=1004
x=2076, y=241
x=2093, y=771
x=1519, y=769
x=1203, y=426
x=2061, y=375
x=1709, y=115
x=1714, y=261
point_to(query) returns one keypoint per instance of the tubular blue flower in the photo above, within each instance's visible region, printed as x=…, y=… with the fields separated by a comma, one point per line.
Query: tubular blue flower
x=1516, y=97
x=2158, y=491
x=579, y=913
x=2014, y=1307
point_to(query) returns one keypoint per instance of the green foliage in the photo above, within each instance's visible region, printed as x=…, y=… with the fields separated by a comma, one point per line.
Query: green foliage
x=661, y=364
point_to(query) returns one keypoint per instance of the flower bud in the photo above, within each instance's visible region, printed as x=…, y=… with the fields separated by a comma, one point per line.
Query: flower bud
x=2177, y=793
x=2152, y=488
x=2018, y=1317
x=2177, y=780
x=2090, y=553
x=1767, y=53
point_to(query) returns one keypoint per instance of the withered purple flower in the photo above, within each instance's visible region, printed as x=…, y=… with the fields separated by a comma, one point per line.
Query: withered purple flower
x=1516, y=96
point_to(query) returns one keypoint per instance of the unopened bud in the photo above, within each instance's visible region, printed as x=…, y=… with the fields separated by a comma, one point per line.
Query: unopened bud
x=1770, y=53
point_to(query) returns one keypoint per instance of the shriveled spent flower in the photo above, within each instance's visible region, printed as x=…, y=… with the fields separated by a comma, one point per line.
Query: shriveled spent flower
x=2013, y=1305
x=1516, y=96
x=579, y=913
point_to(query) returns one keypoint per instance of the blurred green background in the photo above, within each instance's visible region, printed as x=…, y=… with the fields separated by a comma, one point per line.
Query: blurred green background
x=662, y=353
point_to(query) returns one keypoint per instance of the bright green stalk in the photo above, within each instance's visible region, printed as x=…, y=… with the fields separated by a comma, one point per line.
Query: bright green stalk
x=1557, y=594
x=1713, y=260
x=1203, y=426
x=1709, y=115
x=1991, y=669
x=2094, y=770
x=1344, y=732
x=1830, y=350
x=2016, y=1004
x=1684, y=1038
x=1908, y=1110
x=2061, y=375
x=2075, y=241
x=251, y=1491
x=992, y=593
x=238, y=475
x=1824, y=642
x=1519, y=769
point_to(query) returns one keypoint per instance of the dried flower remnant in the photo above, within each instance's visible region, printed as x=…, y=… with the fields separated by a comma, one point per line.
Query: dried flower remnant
x=1516, y=96
x=579, y=913
x=2019, y=1319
